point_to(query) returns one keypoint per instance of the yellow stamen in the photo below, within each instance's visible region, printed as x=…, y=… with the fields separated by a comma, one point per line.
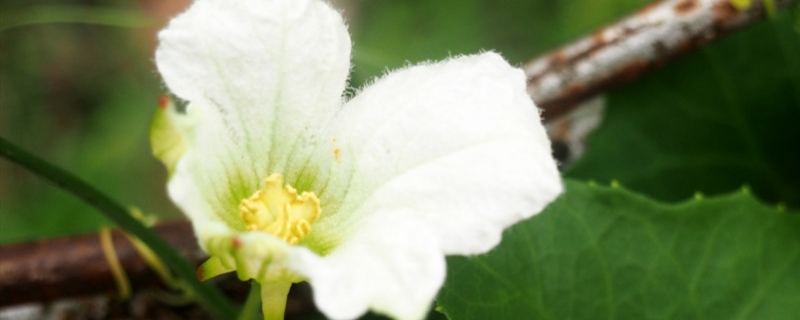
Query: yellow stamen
x=280, y=211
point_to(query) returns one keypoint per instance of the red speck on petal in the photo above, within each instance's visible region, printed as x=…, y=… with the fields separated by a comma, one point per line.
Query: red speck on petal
x=200, y=273
x=237, y=243
x=163, y=102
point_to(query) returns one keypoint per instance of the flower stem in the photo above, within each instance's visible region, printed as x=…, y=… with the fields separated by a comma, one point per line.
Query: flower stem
x=209, y=296
x=273, y=299
x=250, y=309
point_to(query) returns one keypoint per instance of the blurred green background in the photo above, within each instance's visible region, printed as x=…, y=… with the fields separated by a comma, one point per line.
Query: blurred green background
x=78, y=85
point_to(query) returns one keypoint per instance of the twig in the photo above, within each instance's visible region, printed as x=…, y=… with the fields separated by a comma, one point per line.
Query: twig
x=619, y=53
x=76, y=266
x=52, y=269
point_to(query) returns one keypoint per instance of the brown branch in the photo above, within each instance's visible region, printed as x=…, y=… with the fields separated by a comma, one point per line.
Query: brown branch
x=76, y=266
x=52, y=269
x=619, y=53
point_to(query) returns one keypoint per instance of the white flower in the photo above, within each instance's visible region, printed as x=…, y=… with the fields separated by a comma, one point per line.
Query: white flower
x=284, y=181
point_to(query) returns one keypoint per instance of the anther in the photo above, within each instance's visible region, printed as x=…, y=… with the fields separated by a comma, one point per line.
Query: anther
x=280, y=211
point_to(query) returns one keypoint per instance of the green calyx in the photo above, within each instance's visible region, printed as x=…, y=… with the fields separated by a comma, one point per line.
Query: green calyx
x=166, y=141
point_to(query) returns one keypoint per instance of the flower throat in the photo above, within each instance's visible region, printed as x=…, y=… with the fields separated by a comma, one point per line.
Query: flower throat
x=280, y=211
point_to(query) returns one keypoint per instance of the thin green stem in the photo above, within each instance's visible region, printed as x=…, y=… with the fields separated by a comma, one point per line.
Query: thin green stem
x=208, y=296
x=273, y=299
x=111, y=17
x=250, y=309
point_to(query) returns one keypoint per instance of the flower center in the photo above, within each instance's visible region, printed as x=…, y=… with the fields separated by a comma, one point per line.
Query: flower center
x=280, y=211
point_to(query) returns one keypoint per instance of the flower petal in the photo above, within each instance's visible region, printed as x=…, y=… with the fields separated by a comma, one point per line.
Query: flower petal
x=260, y=76
x=459, y=143
x=392, y=265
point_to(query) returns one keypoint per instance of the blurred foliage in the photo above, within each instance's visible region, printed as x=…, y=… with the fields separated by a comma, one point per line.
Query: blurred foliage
x=81, y=94
x=392, y=33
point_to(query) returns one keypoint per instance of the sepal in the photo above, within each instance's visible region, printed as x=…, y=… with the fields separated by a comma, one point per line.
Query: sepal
x=211, y=268
x=167, y=143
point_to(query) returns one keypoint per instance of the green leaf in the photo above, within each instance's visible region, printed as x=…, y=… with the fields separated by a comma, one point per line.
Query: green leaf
x=723, y=117
x=606, y=253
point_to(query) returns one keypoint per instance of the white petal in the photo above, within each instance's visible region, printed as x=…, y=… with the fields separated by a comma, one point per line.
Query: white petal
x=260, y=76
x=459, y=143
x=392, y=266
